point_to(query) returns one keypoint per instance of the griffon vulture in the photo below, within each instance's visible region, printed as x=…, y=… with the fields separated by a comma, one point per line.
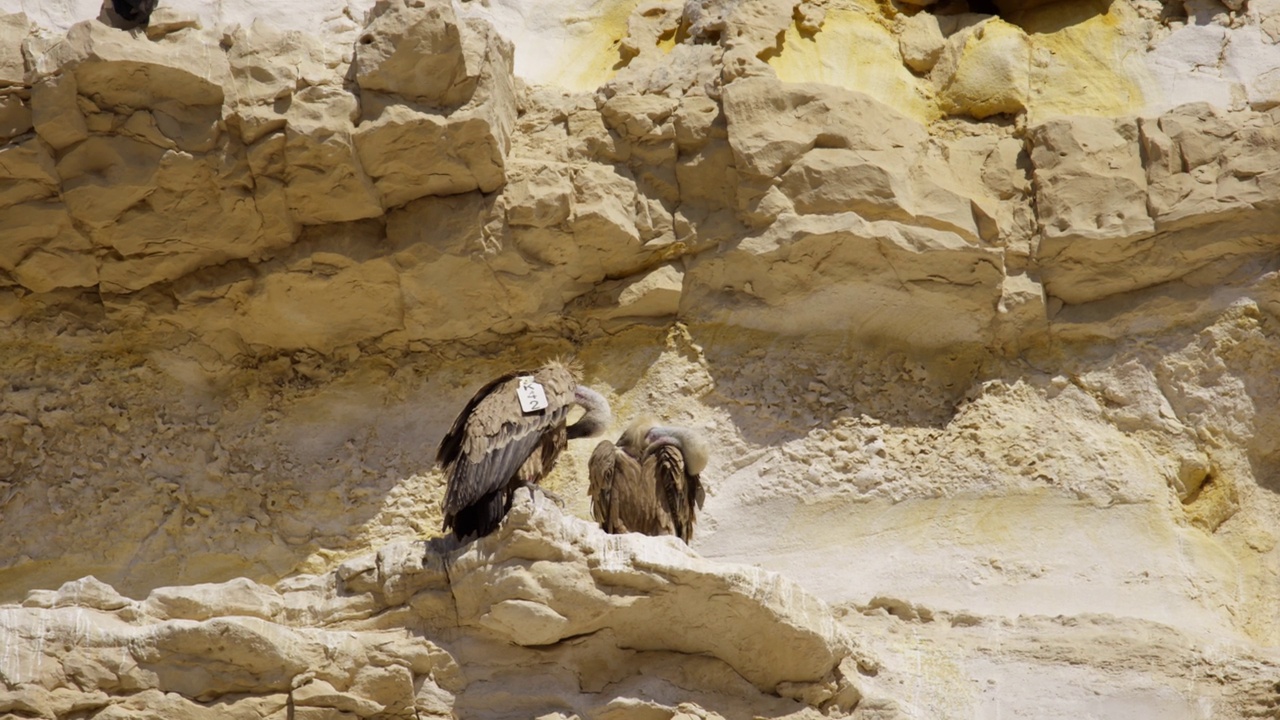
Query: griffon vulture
x=509, y=435
x=649, y=481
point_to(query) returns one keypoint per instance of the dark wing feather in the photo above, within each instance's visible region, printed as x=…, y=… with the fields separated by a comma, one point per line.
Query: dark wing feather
x=672, y=488
x=483, y=516
x=451, y=445
x=468, y=481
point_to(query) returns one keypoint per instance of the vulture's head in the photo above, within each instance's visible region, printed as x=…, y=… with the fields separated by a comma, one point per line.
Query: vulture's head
x=690, y=443
x=597, y=417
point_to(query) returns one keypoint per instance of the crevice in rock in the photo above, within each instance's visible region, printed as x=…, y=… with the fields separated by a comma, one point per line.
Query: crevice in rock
x=1014, y=12
x=769, y=53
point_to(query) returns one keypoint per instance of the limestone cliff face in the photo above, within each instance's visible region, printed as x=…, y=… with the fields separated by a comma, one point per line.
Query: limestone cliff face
x=980, y=311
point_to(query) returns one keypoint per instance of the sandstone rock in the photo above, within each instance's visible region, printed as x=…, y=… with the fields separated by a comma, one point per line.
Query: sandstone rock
x=647, y=294
x=437, y=100
x=15, y=116
x=539, y=195
x=267, y=67
x=640, y=118
x=324, y=181
x=650, y=596
x=44, y=250
x=921, y=42
x=365, y=292
x=986, y=72
x=13, y=66
x=764, y=149
x=410, y=154
x=584, y=568
x=156, y=705
x=65, y=262
x=1250, y=59
x=1092, y=197
x=697, y=120
x=166, y=19
x=178, y=82
x=1187, y=66
x=1023, y=312
x=320, y=694
x=654, y=295
x=439, y=241
x=791, y=276
x=1268, y=22
x=89, y=592
x=707, y=178
x=416, y=50
x=55, y=113
x=205, y=205
x=1188, y=181
x=1095, y=164
x=878, y=185
x=28, y=172
x=105, y=176
x=205, y=601
x=606, y=221
x=1207, y=165
x=825, y=118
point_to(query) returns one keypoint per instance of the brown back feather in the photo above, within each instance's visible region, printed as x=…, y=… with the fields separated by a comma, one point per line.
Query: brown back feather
x=602, y=469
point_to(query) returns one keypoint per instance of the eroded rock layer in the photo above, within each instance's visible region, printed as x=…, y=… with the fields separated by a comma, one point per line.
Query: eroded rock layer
x=977, y=303
x=573, y=619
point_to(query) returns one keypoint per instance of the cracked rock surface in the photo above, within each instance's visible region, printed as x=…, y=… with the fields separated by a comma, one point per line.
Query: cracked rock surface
x=547, y=614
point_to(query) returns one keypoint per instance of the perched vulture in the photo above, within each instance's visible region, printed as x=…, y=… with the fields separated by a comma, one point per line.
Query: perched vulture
x=510, y=435
x=138, y=11
x=649, y=481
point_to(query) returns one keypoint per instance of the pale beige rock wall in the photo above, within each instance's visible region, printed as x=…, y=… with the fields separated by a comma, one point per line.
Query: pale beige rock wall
x=979, y=313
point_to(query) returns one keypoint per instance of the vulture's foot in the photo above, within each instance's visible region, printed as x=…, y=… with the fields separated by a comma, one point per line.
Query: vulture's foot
x=533, y=498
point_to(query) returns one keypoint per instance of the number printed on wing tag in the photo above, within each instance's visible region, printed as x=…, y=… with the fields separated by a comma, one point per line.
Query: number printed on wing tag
x=532, y=397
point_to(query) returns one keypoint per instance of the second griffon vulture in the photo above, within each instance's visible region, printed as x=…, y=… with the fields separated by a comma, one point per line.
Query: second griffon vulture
x=509, y=435
x=649, y=481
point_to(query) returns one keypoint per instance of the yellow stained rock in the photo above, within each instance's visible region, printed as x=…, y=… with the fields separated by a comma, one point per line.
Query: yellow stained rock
x=1088, y=66
x=1057, y=59
x=854, y=51
x=992, y=73
x=587, y=55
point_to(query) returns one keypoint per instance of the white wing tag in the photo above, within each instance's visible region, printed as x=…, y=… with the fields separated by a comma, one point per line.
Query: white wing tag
x=532, y=397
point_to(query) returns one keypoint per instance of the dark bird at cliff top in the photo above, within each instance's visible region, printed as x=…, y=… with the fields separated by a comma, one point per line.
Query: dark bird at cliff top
x=649, y=481
x=499, y=444
x=138, y=11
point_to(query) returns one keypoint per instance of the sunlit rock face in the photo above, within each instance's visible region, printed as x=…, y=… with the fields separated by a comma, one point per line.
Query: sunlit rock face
x=976, y=303
x=598, y=624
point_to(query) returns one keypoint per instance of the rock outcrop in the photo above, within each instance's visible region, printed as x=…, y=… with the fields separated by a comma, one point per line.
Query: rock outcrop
x=147, y=162
x=979, y=310
x=547, y=615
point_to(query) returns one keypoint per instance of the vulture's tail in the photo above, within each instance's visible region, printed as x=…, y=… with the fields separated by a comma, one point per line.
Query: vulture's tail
x=483, y=516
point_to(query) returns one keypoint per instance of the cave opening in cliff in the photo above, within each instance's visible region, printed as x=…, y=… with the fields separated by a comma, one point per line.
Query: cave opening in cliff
x=1031, y=15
